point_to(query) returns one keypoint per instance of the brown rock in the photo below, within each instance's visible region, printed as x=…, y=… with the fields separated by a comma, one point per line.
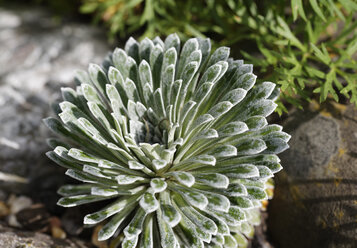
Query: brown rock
x=56, y=229
x=315, y=202
x=34, y=218
x=58, y=232
x=4, y=210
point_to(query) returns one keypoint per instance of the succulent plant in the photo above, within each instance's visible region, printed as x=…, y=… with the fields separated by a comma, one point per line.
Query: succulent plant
x=175, y=140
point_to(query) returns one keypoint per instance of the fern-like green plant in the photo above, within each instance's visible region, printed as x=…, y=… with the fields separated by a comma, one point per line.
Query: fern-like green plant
x=307, y=47
x=176, y=138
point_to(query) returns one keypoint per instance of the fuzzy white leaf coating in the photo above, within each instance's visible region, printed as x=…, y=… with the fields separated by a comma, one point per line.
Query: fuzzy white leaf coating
x=174, y=138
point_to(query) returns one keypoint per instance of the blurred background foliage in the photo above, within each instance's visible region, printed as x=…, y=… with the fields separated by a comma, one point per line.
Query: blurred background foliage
x=307, y=47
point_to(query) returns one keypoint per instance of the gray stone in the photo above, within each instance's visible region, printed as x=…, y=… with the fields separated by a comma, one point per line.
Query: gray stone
x=13, y=238
x=37, y=56
x=312, y=146
x=315, y=200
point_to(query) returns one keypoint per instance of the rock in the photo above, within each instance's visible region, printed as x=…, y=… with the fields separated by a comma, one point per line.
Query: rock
x=58, y=232
x=13, y=238
x=56, y=229
x=72, y=221
x=4, y=210
x=34, y=218
x=315, y=200
x=37, y=56
x=18, y=203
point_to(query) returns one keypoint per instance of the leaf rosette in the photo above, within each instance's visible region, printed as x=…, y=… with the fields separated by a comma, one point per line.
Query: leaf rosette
x=175, y=138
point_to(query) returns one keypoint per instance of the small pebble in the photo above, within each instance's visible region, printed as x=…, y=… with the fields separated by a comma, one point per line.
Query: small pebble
x=18, y=203
x=55, y=221
x=4, y=210
x=12, y=221
x=58, y=233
